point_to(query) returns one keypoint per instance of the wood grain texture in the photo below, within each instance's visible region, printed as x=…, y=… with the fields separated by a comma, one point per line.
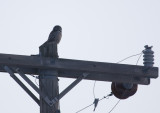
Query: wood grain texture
x=48, y=81
x=74, y=68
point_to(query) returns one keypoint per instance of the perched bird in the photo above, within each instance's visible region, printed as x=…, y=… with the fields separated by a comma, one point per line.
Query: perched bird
x=55, y=35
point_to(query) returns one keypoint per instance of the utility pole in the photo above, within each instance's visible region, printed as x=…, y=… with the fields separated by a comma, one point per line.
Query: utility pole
x=48, y=80
x=124, y=78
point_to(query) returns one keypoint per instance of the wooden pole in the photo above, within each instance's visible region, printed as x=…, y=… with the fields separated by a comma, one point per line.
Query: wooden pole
x=48, y=81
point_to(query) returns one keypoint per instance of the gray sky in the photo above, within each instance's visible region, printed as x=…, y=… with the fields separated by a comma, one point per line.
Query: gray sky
x=95, y=30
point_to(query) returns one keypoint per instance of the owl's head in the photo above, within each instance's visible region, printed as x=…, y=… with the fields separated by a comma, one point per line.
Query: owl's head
x=57, y=28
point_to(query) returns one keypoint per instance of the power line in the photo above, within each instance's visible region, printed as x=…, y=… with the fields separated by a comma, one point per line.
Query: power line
x=95, y=83
x=129, y=57
x=114, y=106
x=140, y=54
x=119, y=62
x=139, y=58
x=105, y=97
x=84, y=108
x=94, y=89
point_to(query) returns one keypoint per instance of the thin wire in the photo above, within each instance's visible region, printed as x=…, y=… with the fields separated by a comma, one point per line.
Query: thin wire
x=128, y=57
x=114, y=106
x=94, y=89
x=140, y=54
x=139, y=58
x=105, y=97
x=84, y=108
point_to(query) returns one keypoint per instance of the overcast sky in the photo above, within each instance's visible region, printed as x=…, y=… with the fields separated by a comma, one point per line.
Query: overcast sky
x=95, y=30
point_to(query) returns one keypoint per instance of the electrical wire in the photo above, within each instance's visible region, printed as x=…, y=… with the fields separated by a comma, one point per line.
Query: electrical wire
x=140, y=54
x=114, y=106
x=95, y=82
x=105, y=97
x=84, y=108
x=94, y=89
x=119, y=62
x=139, y=58
x=129, y=57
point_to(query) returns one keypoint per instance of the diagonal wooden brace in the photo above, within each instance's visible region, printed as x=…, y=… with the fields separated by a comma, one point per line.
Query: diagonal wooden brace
x=22, y=85
x=47, y=100
x=44, y=96
x=72, y=85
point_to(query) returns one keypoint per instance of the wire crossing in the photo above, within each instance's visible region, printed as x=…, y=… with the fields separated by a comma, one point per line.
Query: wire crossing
x=98, y=100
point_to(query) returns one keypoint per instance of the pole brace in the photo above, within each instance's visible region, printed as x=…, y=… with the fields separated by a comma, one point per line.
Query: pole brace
x=11, y=72
x=71, y=86
x=43, y=95
x=7, y=69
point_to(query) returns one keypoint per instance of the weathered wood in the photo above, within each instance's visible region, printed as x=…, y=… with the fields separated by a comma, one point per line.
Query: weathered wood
x=49, y=49
x=119, y=78
x=91, y=76
x=37, y=62
x=75, y=68
x=48, y=82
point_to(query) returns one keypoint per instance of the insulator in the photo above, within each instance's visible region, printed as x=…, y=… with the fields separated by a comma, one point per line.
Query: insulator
x=148, y=56
x=121, y=92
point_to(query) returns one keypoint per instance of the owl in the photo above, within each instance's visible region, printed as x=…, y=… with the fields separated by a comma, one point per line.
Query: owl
x=55, y=35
